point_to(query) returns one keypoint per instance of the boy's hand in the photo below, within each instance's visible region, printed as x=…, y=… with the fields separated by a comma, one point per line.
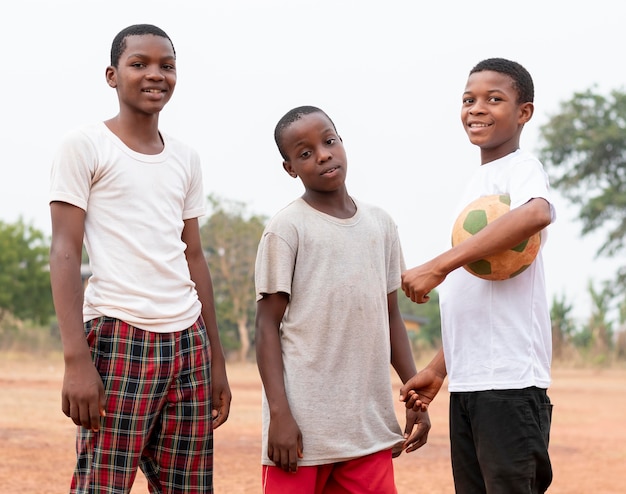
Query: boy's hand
x=419, y=281
x=82, y=396
x=415, y=439
x=284, y=443
x=221, y=395
x=420, y=390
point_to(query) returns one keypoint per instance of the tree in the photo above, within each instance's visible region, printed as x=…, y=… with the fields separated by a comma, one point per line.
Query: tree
x=430, y=331
x=562, y=324
x=600, y=329
x=584, y=149
x=620, y=341
x=24, y=277
x=230, y=238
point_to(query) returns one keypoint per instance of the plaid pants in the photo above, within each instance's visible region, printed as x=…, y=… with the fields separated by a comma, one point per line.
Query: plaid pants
x=158, y=411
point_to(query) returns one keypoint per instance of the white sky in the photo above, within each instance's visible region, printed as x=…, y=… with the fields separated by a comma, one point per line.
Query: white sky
x=390, y=74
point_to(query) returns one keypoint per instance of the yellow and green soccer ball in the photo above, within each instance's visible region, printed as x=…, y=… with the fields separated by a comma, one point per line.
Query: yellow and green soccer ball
x=504, y=265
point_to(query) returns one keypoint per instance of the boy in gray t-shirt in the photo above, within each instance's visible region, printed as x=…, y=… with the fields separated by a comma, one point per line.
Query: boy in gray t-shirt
x=328, y=326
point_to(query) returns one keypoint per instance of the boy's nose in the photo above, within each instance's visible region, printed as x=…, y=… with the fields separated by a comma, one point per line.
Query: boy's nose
x=324, y=155
x=156, y=73
x=476, y=108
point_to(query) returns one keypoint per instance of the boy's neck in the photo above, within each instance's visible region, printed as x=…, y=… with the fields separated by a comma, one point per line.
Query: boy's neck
x=337, y=204
x=487, y=155
x=139, y=134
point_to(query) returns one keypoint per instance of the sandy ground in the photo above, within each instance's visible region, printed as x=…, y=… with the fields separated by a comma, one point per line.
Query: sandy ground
x=588, y=444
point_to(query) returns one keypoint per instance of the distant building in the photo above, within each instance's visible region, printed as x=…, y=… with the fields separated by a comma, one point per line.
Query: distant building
x=414, y=323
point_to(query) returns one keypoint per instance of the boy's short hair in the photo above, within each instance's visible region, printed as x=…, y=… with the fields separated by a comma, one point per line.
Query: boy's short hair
x=292, y=116
x=522, y=81
x=119, y=42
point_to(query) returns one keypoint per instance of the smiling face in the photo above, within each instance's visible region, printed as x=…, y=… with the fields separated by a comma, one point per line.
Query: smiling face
x=145, y=77
x=315, y=153
x=491, y=114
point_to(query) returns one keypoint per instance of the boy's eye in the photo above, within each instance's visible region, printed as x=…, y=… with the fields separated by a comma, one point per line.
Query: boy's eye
x=305, y=154
x=330, y=140
x=168, y=67
x=467, y=100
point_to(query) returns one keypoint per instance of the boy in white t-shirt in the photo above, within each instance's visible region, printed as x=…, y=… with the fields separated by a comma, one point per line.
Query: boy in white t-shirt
x=328, y=325
x=497, y=345
x=145, y=376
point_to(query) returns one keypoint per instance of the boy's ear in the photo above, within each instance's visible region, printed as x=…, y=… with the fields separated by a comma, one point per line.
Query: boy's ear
x=289, y=169
x=111, y=76
x=526, y=112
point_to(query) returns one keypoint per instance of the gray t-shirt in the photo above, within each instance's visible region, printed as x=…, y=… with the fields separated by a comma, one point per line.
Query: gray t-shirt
x=335, y=332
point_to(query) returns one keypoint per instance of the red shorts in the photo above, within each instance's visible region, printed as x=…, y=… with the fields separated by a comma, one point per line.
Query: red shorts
x=371, y=474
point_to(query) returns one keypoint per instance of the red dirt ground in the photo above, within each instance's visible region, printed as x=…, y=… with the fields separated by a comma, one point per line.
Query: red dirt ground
x=588, y=442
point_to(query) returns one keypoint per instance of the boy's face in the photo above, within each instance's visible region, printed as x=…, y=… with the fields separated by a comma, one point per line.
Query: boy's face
x=491, y=115
x=145, y=77
x=315, y=153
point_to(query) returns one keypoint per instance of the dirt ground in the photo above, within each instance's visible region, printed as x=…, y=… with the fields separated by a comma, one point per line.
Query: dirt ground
x=588, y=443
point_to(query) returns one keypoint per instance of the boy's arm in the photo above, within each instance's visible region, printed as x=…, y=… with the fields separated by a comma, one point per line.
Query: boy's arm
x=421, y=389
x=417, y=423
x=504, y=233
x=401, y=355
x=83, y=392
x=199, y=271
x=284, y=438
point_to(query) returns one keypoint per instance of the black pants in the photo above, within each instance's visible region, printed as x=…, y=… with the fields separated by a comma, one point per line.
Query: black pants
x=499, y=441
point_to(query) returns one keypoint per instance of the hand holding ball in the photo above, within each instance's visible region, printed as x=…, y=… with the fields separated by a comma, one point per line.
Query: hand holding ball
x=504, y=265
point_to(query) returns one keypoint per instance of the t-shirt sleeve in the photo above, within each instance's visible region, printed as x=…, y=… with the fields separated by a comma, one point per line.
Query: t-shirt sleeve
x=530, y=181
x=396, y=264
x=195, y=199
x=274, y=267
x=73, y=169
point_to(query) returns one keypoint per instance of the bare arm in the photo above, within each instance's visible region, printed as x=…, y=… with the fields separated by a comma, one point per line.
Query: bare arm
x=284, y=438
x=417, y=423
x=421, y=389
x=401, y=354
x=504, y=233
x=199, y=270
x=83, y=392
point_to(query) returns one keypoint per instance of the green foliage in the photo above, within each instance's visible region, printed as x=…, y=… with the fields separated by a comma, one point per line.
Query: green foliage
x=583, y=339
x=563, y=327
x=584, y=150
x=430, y=331
x=24, y=277
x=560, y=314
x=230, y=238
x=599, y=326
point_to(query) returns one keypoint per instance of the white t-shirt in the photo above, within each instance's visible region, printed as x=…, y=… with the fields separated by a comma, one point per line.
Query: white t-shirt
x=335, y=333
x=497, y=334
x=135, y=205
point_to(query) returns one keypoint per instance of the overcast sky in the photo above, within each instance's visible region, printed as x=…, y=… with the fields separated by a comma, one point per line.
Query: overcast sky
x=390, y=74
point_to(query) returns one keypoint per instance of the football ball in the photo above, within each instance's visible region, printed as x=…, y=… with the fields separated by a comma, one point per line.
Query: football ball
x=504, y=265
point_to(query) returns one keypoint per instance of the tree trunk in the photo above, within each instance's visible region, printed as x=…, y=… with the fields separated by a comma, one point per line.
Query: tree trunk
x=242, y=328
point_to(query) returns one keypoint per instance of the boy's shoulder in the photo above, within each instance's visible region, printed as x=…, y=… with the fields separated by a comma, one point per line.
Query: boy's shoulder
x=375, y=212
x=294, y=211
x=519, y=161
x=83, y=140
x=90, y=130
x=520, y=156
x=173, y=141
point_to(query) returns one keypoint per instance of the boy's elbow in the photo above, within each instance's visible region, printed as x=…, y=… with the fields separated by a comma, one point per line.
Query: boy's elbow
x=542, y=213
